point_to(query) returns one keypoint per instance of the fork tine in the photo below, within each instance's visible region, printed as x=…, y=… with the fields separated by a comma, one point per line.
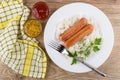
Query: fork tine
x=51, y=45
x=56, y=46
x=55, y=43
x=59, y=46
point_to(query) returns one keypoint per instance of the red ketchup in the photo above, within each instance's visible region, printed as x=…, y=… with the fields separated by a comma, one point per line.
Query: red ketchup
x=40, y=10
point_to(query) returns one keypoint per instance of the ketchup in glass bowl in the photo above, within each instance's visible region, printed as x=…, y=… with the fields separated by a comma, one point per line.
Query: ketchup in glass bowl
x=40, y=10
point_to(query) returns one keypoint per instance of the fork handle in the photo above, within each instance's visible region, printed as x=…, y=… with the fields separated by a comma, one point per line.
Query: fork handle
x=95, y=69
x=91, y=67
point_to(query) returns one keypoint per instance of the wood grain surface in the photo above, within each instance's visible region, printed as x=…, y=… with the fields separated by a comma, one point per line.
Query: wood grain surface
x=111, y=67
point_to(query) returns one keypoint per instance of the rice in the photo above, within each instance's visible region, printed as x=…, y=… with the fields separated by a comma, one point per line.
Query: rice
x=85, y=42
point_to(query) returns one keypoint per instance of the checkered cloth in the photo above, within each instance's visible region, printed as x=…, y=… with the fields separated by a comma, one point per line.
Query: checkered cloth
x=17, y=50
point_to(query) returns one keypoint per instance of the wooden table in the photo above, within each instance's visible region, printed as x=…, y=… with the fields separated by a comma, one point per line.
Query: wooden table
x=111, y=67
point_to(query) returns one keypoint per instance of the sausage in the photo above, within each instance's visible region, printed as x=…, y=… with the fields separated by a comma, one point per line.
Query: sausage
x=79, y=35
x=73, y=30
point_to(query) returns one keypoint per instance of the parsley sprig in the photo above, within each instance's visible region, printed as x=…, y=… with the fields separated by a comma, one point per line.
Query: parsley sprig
x=70, y=54
x=94, y=46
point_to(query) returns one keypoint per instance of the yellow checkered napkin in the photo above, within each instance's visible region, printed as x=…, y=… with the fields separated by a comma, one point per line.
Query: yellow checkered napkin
x=17, y=50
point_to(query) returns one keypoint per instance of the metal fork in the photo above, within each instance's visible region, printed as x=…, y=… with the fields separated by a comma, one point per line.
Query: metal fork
x=60, y=48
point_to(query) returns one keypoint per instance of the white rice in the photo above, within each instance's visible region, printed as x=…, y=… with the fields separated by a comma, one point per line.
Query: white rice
x=68, y=22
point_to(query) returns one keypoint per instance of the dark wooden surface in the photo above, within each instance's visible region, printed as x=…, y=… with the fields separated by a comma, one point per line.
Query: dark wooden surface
x=111, y=67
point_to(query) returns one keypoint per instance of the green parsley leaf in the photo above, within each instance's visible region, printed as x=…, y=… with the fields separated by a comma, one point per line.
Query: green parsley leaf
x=87, y=52
x=98, y=41
x=74, y=61
x=75, y=54
x=91, y=44
x=70, y=54
x=96, y=48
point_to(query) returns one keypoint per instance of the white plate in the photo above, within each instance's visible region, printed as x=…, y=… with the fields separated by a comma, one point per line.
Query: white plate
x=79, y=9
